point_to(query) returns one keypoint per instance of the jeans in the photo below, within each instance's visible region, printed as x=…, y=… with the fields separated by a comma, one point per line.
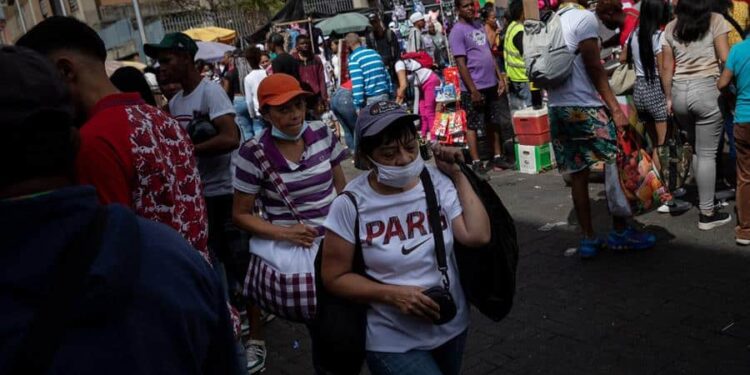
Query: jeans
x=519, y=95
x=377, y=98
x=257, y=126
x=445, y=359
x=342, y=105
x=742, y=141
x=242, y=117
x=696, y=105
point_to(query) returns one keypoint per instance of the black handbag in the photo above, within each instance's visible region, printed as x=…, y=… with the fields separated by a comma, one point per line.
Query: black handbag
x=488, y=273
x=340, y=326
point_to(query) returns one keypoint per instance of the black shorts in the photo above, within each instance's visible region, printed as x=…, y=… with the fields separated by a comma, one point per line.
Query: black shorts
x=495, y=112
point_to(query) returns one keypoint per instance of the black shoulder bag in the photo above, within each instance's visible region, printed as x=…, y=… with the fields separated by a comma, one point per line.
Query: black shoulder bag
x=488, y=273
x=37, y=350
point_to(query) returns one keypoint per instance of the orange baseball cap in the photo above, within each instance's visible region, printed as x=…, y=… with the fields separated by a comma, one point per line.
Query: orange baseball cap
x=277, y=89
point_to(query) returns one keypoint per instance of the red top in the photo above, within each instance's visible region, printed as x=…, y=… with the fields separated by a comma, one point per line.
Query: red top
x=631, y=21
x=312, y=72
x=136, y=155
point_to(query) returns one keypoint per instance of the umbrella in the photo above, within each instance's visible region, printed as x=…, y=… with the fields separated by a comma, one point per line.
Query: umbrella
x=212, y=51
x=212, y=34
x=344, y=24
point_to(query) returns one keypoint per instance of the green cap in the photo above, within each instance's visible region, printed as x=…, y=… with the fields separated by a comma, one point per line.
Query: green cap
x=172, y=42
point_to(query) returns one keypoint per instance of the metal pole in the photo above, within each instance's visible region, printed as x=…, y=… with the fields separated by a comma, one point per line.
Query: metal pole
x=63, y=9
x=139, y=20
x=20, y=16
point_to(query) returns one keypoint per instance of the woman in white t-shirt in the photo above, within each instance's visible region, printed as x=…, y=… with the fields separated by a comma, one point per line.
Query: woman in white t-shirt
x=398, y=246
x=252, y=81
x=645, y=51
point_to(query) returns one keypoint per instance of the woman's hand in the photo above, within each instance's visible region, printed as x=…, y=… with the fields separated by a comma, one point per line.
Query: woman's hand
x=300, y=234
x=400, y=95
x=411, y=301
x=669, y=107
x=447, y=159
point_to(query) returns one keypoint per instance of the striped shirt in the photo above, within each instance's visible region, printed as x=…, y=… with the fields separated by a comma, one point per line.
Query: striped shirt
x=368, y=74
x=310, y=181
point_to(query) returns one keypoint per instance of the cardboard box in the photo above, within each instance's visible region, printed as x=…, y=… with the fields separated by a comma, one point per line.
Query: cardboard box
x=534, y=159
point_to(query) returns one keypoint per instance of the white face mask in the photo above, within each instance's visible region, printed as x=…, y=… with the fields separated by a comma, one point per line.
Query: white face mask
x=399, y=177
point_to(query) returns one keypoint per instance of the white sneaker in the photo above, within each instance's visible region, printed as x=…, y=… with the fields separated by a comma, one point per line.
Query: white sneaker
x=674, y=206
x=255, y=352
x=742, y=241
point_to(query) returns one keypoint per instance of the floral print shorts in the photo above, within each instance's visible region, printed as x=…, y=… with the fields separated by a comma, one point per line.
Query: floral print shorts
x=582, y=137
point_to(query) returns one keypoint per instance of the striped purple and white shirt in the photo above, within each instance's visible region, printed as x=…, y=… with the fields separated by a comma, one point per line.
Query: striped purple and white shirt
x=310, y=182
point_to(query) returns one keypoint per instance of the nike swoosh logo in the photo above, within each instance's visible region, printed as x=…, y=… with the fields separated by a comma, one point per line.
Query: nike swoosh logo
x=408, y=250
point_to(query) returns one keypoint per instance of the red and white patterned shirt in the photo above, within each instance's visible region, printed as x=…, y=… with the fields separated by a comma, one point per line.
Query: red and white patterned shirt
x=137, y=155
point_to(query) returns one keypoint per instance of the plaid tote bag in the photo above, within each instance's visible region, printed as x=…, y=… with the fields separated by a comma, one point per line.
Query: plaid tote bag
x=290, y=295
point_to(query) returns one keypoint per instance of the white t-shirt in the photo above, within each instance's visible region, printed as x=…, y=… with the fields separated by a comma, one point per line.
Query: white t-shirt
x=210, y=99
x=411, y=66
x=398, y=249
x=578, y=25
x=636, y=51
x=252, y=81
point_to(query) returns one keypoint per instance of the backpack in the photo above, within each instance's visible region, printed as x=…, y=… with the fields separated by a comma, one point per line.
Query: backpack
x=549, y=63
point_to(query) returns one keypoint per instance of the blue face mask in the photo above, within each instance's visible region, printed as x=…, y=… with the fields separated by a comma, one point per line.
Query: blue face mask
x=276, y=133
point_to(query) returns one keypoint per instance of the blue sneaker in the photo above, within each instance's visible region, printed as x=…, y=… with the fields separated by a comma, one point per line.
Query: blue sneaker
x=630, y=239
x=588, y=248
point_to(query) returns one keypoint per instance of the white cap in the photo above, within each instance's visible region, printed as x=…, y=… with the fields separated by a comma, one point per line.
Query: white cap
x=416, y=17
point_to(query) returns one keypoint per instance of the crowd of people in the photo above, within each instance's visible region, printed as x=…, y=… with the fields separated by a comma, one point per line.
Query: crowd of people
x=155, y=223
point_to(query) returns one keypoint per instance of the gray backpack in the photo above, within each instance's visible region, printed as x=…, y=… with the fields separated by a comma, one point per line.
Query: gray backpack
x=549, y=63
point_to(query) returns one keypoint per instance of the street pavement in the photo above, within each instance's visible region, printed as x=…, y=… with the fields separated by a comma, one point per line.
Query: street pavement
x=680, y=308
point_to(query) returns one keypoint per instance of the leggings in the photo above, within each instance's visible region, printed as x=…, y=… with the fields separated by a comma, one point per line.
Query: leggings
x=696, y=105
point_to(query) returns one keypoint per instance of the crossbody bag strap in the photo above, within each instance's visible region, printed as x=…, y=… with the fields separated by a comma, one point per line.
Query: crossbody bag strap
x=734, y=24
x=275, y=178
x=37, y=349
x=358, y=263
x=433, y=217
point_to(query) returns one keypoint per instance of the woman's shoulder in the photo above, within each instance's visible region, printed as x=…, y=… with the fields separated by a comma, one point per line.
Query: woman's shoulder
x=358, y=185
x=438, y=177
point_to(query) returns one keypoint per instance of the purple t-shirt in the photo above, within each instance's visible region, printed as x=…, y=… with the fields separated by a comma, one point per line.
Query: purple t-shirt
x=470, y=40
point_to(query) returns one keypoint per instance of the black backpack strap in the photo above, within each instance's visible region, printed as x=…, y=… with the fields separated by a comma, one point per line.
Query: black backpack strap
x=433, y=217
x=47, y=329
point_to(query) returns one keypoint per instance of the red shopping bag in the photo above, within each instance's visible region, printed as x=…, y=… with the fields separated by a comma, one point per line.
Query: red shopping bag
x=641, y=183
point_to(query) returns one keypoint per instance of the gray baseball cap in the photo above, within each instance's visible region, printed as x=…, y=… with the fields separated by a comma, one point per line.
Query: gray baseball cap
x=29, y=84
x=374, y=118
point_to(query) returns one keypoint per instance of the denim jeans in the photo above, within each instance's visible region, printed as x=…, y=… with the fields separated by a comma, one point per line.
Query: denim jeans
x=242, y=116
x=519, y=95
x=445, y=359
x=342, y=105
x=377, y=98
